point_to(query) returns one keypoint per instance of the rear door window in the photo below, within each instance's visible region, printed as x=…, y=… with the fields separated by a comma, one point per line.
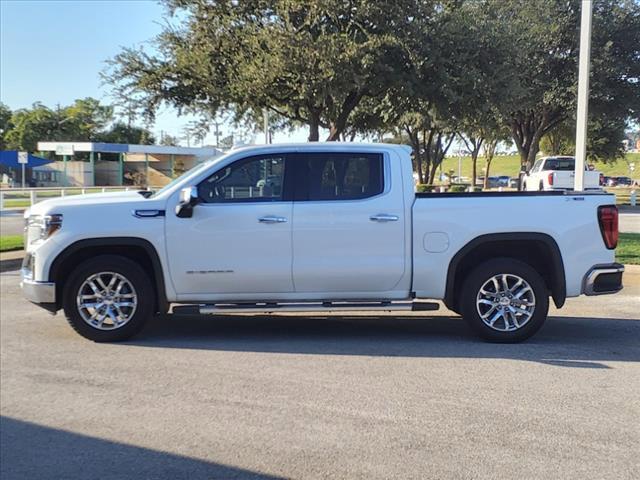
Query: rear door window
x=338, y=176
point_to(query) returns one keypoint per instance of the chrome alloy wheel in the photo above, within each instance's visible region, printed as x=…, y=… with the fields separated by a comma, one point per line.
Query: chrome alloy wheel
x=107, y=300
x=506, y=302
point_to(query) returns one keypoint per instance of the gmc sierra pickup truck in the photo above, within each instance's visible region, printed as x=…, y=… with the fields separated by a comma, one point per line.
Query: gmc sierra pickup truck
x=316, y=227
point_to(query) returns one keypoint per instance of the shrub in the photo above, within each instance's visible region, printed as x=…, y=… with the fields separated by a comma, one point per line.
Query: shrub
x=458, y=187
x=424, y=188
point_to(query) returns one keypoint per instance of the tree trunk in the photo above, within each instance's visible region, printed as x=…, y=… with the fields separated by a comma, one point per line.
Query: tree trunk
x=314, y=127
x=527, y=129
x=334, y=133
x=474, y=168
x=486, y=175
x=489, y=152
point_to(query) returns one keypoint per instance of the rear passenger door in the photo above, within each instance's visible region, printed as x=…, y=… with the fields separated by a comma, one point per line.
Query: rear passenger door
x=348, y=225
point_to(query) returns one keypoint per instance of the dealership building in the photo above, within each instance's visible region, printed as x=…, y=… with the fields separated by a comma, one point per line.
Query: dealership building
x=88, y=164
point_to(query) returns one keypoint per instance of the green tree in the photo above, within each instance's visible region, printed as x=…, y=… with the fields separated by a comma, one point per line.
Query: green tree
x=84, y=120
x=122, y=133
x=311, y=63
x=5, y=124
x=169, y=140
x=542, y=43
x=29, y=126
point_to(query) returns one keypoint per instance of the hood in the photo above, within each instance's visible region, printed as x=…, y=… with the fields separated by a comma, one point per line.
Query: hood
x=88, y=200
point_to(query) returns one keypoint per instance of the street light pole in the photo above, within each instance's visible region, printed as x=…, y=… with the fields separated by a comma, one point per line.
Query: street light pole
x=583, y=94
x=265, y=117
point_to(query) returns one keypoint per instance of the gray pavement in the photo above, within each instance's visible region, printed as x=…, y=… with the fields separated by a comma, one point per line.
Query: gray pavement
x=404, y=397
x=629, y=222
x=11, y=222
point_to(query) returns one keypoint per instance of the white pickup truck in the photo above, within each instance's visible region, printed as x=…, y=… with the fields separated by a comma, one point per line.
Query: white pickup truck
x=557, y=174
x=316, y=227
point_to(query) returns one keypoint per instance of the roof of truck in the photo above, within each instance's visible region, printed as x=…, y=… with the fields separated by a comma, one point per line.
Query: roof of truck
x=326, y=146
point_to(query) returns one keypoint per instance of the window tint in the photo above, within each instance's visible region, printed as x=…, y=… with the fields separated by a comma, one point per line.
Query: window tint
x=562, y=164
x=256, y=179
x=339, y=176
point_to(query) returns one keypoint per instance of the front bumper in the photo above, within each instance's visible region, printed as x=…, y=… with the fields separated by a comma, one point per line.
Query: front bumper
x=40, y=293
x=603, y=279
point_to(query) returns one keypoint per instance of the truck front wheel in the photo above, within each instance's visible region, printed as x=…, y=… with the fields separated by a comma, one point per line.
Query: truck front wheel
x=108, y=298
x=505, y=300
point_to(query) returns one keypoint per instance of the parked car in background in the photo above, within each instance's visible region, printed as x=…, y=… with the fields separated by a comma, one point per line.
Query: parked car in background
x=612, y=181
x=624, y=182
x=503, y=180
x=557, y=173
x=493, y=182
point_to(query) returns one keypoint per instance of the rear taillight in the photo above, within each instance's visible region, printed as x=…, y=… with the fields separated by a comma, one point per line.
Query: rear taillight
x=550, y=178
x=608, y=220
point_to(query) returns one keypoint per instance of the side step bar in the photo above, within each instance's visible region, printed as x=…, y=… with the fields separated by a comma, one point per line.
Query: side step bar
x=265, y=307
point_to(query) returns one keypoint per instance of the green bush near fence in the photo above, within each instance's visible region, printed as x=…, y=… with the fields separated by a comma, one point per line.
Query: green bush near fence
x=628, y=250
x=11, y=242
x=424, y=188
x=458, y=187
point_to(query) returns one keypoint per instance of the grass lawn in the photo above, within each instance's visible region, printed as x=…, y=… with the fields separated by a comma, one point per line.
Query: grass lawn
x=510, y=165
x=628, y=250
x=17, y=203
x=10, y=242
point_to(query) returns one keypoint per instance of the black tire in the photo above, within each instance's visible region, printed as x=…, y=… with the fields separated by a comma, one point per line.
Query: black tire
x=524, y=187
x=483, y=273
x=133, y=273
x=541, y=187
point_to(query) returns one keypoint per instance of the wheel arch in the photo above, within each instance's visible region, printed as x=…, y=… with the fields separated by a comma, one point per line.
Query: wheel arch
x=136, y=249
x=538, y=250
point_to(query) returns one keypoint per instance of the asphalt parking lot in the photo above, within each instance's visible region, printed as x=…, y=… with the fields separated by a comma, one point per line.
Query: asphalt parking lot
x=322, y=397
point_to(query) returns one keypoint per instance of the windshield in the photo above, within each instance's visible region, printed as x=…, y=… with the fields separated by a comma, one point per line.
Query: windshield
x=193, y=170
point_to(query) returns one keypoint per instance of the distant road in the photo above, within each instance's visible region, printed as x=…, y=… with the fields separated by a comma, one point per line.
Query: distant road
x=11, y=222
x=630, y=222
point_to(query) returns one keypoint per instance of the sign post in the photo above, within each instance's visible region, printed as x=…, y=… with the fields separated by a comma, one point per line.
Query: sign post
x=583, y=94
x=23, y=158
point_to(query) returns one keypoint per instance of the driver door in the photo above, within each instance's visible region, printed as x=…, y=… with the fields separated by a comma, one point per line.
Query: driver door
x=238, y=241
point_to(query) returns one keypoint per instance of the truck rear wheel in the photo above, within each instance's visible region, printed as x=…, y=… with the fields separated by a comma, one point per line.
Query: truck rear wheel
x=108, y=298
x=505, y=300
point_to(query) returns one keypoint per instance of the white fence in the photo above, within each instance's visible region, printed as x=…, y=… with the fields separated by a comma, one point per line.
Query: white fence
x=11, y=198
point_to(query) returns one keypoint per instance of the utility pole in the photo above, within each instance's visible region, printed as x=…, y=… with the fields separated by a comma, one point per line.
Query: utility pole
x=217, y=125
x=265, y=114
x=583, y=94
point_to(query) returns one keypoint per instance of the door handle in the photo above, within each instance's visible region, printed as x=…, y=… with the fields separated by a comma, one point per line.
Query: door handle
x=272, y=219
x=383, y=217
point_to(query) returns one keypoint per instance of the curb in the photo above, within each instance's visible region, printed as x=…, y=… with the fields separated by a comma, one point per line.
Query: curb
x=11, y=260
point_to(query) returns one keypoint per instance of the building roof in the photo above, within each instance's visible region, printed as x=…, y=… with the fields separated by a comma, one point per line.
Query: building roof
x=125, y=148
x=9, y=158
x=325, y=146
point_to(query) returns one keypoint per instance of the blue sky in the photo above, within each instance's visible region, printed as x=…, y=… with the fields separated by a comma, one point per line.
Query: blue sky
x=53, y=50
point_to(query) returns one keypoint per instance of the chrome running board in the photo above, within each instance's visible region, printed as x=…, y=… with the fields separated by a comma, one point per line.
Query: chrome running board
x=267, y=308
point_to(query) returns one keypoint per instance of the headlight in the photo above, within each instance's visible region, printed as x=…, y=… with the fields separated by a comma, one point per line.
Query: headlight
x=41, y=227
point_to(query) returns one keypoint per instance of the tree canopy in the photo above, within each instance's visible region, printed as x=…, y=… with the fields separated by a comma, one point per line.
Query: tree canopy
x=85, y=120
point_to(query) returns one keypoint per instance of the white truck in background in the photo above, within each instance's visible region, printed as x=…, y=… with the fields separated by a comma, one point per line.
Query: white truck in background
x=316, y=227
x=557, y=174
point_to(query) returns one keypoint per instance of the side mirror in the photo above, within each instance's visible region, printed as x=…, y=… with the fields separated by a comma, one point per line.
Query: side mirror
x=188, y=199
